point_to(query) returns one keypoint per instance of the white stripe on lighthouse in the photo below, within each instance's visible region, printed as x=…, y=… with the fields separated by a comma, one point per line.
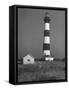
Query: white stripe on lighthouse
x=46, y=52
x=47, y=26
x=47, y=39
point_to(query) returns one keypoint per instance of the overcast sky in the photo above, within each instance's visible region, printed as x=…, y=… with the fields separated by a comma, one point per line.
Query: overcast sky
x=31, y=31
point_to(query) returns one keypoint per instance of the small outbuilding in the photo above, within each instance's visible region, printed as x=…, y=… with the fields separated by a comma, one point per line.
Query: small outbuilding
x=28, y=59
x=49, y=58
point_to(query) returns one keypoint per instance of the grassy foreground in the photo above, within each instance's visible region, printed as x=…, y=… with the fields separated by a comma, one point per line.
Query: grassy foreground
x=41, y=70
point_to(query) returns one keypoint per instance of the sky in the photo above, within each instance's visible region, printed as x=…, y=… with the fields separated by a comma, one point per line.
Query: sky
x=31, y=32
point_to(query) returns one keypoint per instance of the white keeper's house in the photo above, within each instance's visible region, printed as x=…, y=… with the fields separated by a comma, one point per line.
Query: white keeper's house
x=28, y=59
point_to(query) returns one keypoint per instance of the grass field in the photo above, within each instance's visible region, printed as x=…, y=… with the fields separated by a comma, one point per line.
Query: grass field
x=41, y=70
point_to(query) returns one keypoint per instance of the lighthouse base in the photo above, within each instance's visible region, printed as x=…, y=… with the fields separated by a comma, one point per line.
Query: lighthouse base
x=49, y=58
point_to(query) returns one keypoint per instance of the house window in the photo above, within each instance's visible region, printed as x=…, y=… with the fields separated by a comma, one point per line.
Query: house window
x=28, y=59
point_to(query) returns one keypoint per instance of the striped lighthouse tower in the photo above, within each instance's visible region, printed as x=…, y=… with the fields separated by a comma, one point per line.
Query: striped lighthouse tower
x=46, y=44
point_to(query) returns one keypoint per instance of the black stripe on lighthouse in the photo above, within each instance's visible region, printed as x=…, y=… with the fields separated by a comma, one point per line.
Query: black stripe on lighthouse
x=46, y=46
x=46, y=33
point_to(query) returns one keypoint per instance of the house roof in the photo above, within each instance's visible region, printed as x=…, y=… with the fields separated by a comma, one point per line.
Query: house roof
x=29, y=55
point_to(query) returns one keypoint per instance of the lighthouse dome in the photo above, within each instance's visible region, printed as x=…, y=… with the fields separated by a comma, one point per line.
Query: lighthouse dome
x=47, y=18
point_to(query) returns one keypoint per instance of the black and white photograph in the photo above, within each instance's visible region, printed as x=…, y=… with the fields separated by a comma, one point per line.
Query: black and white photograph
x=41, y=45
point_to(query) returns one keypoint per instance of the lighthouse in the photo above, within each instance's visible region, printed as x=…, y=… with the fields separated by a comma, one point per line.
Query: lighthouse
x=46, y=42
